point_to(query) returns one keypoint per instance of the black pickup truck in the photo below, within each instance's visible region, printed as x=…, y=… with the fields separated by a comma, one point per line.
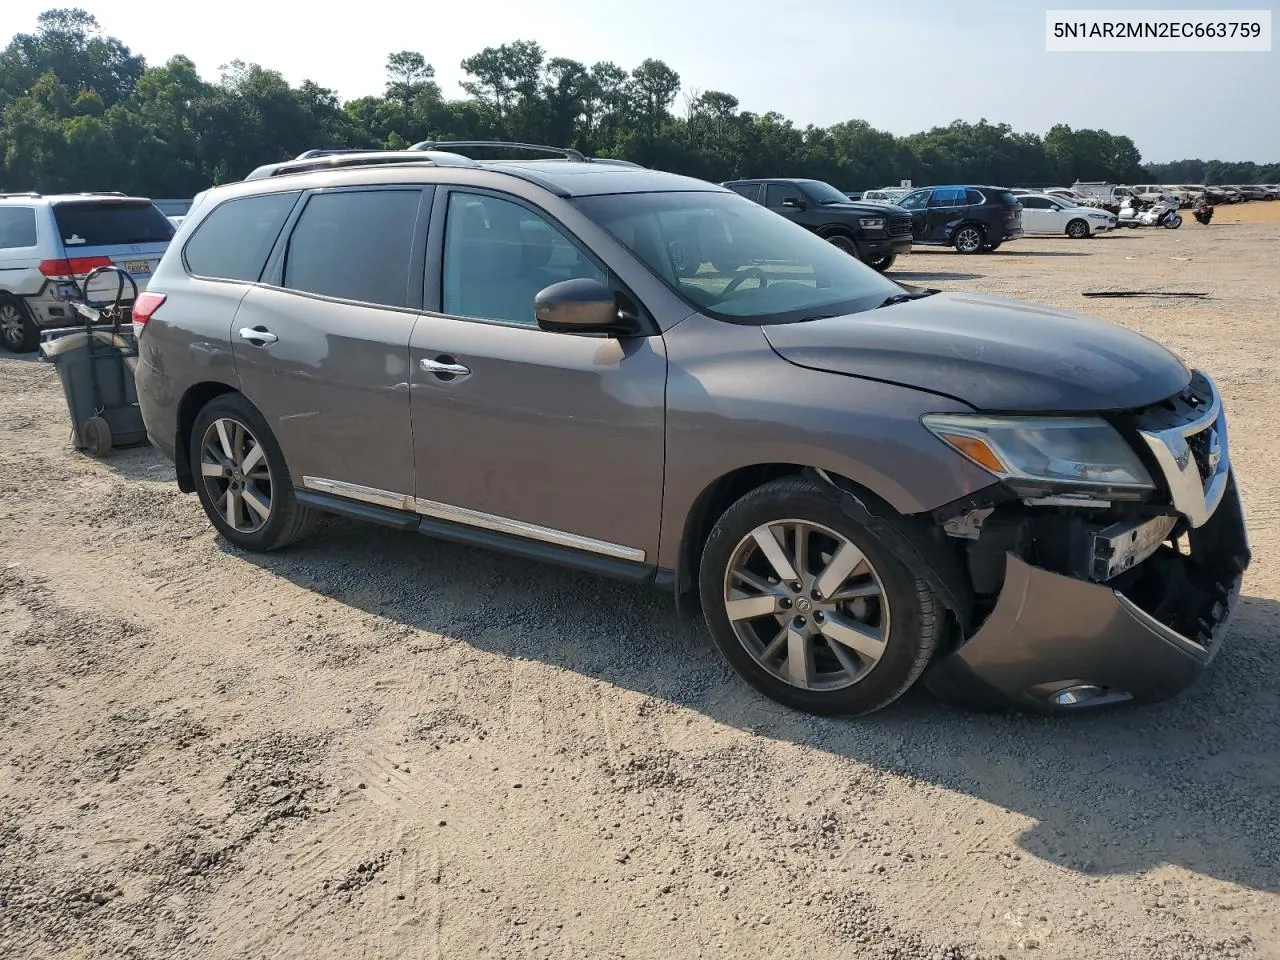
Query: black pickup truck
x=875, y=233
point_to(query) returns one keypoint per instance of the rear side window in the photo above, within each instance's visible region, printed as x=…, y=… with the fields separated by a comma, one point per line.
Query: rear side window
x=749, y=190
x=109, y=224
x=354, y=246
x=948, y=197
x=1036, y=203
x=1007, y=198
x=975, y=197
x=17, y=227
x=234, y=241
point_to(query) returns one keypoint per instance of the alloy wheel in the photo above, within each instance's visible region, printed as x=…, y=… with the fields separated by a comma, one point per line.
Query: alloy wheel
x=969, y=240
x=807, y=605
x=237, y=479
x=11, y=324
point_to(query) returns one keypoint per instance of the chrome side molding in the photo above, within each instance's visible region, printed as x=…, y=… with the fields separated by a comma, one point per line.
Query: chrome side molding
x=472, y=518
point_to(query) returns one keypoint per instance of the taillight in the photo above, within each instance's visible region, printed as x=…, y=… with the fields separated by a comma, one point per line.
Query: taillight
x=144, y=306
x=72, y=268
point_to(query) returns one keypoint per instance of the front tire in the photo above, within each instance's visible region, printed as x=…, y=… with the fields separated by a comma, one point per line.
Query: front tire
x=969, y=239
x=241, y=477
x=841, y=242
x=811, y=609
x=18, y=332
x=1078, y=230
x=881, y=264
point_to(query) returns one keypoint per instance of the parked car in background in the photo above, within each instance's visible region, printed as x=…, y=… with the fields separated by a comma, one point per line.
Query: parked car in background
x=1072, y=195
x=874, y=233
x=889, y=195
x=177, y=221
x=859, y=484
x=973, y=219
x=1230, y=194
x=48, y=243
x=1252, y=191
x=1270, y=191
x=853, y=194
x=1048, y=216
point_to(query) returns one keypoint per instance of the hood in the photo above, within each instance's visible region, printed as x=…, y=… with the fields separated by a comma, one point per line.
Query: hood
x=864, y=209
x=994, y=354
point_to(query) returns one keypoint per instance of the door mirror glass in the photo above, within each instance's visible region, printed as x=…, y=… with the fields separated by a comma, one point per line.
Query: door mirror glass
x=583, y=306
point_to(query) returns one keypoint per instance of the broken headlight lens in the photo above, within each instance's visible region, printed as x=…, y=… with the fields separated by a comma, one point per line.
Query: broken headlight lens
x=1083, y=451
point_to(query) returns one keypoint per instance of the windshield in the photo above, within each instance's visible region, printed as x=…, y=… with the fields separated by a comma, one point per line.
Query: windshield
x=736, y=260
x=1065, y=201
x=109, y=223
x=820, y=192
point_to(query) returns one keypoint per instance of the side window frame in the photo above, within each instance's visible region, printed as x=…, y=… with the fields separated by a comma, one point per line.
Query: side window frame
x=795, y=191
x=273, y=274
x=35, y=226
x=271, y=251
x=433, y=277
x=924, y=205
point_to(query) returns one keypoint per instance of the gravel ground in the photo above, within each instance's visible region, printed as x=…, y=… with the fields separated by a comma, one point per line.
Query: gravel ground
x=376, y=745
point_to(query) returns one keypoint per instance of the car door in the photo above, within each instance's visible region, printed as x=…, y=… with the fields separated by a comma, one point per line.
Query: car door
x=786, y=200
x=943, y=212
x=1038, y=215
x=554, y=438
x=322, y=346
x=916, y=204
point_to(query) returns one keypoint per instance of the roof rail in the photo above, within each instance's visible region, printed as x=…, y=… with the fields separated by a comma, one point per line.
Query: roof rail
x=567, y=153
x=20, y=193
x=360, y=158
x=333, y=151
x=102, y=193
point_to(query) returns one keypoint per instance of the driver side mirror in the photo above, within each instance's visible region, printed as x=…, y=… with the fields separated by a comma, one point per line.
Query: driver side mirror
x=793, y=203
x=585, y=306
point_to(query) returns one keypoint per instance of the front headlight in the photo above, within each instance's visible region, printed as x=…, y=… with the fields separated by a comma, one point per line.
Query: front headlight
x=1069, y=451
x=871, y=223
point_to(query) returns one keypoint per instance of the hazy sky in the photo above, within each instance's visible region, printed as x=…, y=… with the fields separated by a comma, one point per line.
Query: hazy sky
x=904, y=65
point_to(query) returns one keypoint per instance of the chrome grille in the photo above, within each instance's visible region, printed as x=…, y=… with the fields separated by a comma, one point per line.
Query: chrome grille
x=1187, y=437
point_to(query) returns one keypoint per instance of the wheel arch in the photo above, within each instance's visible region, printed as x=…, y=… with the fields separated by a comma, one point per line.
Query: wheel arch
x=189, y=407
x=916, y=539
x=828, y=230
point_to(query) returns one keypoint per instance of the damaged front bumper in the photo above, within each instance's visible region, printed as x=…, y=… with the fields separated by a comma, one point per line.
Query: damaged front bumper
x=1057, y=640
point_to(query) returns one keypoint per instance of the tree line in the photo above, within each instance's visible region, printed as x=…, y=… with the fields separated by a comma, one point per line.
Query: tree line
x=80, y=111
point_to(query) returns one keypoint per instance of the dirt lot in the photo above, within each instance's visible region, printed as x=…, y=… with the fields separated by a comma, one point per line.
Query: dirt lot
x=375, y=745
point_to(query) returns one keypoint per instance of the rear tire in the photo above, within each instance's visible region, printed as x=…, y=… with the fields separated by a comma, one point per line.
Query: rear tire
x=849, y=646
x=969, y=238
x=241, y=477
x=18, y=332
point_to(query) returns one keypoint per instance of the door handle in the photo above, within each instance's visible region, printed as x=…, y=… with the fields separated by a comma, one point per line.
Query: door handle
x=445, y=368
x=258, y=336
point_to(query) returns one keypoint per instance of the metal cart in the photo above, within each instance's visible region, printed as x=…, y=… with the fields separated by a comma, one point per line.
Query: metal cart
x=95, y=362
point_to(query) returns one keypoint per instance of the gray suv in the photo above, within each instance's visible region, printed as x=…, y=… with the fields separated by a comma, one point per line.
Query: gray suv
x=638, y=374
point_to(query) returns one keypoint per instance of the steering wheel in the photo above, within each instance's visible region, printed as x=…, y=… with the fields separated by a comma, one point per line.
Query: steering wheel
x=736, y=282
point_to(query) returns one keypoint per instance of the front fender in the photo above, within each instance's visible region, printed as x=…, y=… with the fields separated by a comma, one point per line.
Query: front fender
x=732, y=403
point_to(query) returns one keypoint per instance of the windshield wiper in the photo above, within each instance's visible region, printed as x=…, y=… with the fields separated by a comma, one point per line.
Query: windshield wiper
x=904, y=297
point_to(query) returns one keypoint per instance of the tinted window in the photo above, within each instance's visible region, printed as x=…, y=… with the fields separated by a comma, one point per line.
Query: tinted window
x=17, y=227
x=1005, y=197
x=233, y=242
x=749, y=190
x=777, y=192
x=914, y=201
x=104, y=224
x=974, y=197
x=737, y=261
x=1036, y=203
x=354, y=246
x=498, y=255
x=947, y=197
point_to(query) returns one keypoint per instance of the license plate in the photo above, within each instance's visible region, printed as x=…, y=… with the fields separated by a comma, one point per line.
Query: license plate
x=137, y=266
